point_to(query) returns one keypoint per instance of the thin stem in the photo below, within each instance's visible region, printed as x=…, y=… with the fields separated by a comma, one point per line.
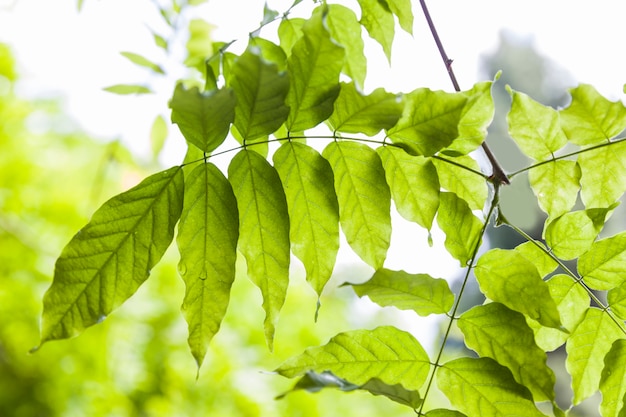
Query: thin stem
x=498, y=176
x=457, y=303
x=591, y=148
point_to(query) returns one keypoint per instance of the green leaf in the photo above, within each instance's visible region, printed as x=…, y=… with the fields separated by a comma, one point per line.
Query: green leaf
x=158, y=135
x=313, y=209
x=617, y=300
x=602, y=267
x=507, y=277
x=586, y=348
x=556, y=186
x=394, y=392
x=364, y=199
x=535, y=128
x=378, y=20
x=142, y=62
x=261, y=90
x=475, y=119
x=289, y=32
x=387, y=353
x=126, y=89
x=461, y=227
x=346, y=30
x=356, y=113
x=542, y=261
x=442, y=412
x=199, y=45
x=160, y=41
x=264, y=230
x=108, y=259
x=430, y=120
x=482, y=387
x=314, y=67
x=269, y=15
x=571, y=301
x=269, y=51
x=572, y=234
x=418, y=292
x=207, y=241
x=467, y=185
x=315, y=382
x=591, y=118
x=203, y=118
x=603, y=179
x=494, y=331
x=414, y=185
x=613, y=379
x=402, y=9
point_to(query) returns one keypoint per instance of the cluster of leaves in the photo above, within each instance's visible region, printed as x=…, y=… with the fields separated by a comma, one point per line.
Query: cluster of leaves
x=272, y=94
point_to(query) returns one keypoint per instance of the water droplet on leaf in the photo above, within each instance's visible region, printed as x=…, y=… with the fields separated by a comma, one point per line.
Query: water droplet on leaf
x=182, y=268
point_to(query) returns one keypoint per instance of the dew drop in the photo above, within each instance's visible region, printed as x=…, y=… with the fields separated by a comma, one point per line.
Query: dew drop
x=203, y=275
x=101, y=318
x=182, y=268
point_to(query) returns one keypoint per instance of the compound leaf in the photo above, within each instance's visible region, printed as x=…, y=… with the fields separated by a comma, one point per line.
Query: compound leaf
x=461, y=227
x=108, y=259
x=264, y=230
x=207, y=241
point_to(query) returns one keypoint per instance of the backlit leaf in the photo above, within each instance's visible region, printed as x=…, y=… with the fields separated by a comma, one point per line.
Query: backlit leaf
x=313, y=209
x=314, y=66
x=402, y=9
x=573, y=233
x=199, y=44
x=591, y=118
x=613, y=379
x=203, y=118
x=467, y=185
x=260, y=90
x=386, y=353
x=556, y=186
x=126, y=89
x=603, y=179
x=378, y=20
x=461, y=227
x=543, y=262
x=430, y=120
x=364, y=199
x=602, y=267
x=507, y=277
x=414, y=184
x=418, y=292
x=207, y=241
x=158, y=135
x=264, y=230
x=108, y=259
x=535, y=128
x=357, y=113
x=617, y=300
x=572, y=302
x=289, y=32
x=586, y=348
x=442, y=412
x=494, y=331
x=142, y=62
x=482, y=387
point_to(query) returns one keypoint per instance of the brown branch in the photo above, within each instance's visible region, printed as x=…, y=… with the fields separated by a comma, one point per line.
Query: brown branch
x=498, y=175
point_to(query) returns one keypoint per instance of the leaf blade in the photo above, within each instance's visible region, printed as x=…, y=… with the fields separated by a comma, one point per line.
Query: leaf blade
x=461, y=227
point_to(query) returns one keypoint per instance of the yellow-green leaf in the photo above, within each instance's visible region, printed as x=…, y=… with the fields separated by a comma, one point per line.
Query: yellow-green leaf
x=378, y=20
x=467, y=185
x=461, y=227
x=602, y=267
x=556, y=186
x=603, y=175
x=613, y=380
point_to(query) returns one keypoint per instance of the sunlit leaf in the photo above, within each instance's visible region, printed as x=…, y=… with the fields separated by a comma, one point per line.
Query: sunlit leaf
x=314, y=66
x=357, y=113
x=142, y=62
x=207, y=241
x=586, y=348
x=556, y=186
x=602, y=267
x=418, y=292
x=270, y=52
x=378, y=20
x=494, y=331
x=535, y=128
x=160, y=41
x=613, y=379
x=467, y=185
x=414, y=185
x=203, y=118
x=603, y=179
x=364, y=199
x=430, y=120
x=261, y=90
x=108, y=259
x=402, y=9
x=542, y=261
x=264, y=230
x=386, y=353
x=289, y=32
x=158, y=135
x=591, y=118
x=442, y=412
x=461, y=227
x=507, y=277
x=200, y=44
x=269, y=15
x=126, y=89
x=617, y=300
x=482, y=387
x=572, y=234
x=571, y=301
x=313, y=209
